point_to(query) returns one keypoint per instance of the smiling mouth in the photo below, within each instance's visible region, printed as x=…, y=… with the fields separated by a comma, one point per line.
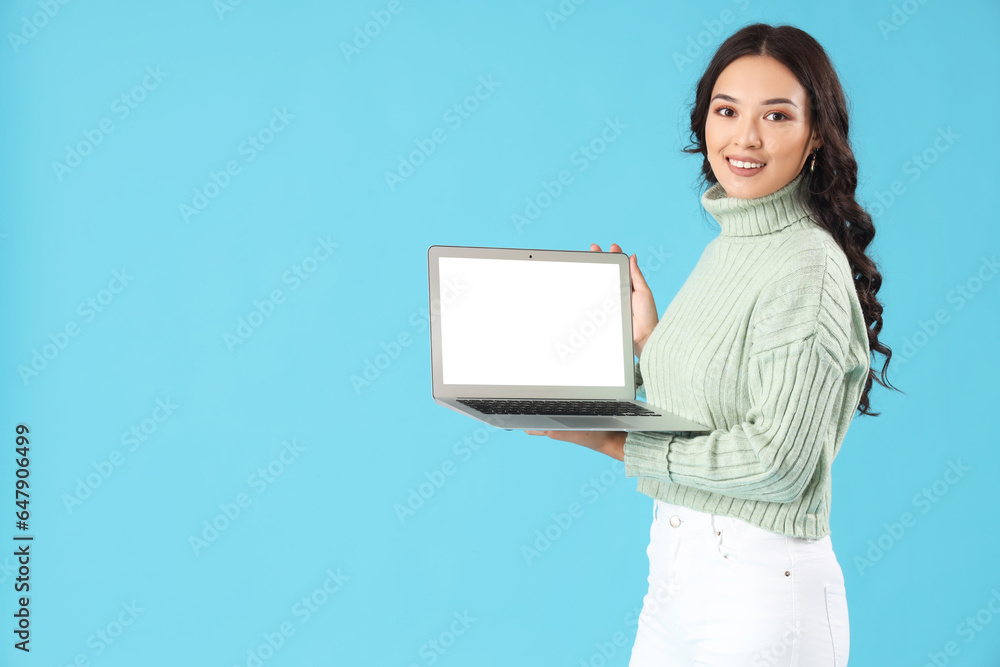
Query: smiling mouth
x=746, y=165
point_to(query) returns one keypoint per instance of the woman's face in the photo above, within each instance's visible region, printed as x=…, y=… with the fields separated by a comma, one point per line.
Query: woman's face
x=758, y=112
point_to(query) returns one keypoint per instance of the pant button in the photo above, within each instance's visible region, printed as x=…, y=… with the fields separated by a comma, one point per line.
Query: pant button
x=675, y=521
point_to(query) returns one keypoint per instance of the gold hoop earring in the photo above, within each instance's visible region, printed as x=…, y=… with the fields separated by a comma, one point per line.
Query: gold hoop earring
x=812, y=167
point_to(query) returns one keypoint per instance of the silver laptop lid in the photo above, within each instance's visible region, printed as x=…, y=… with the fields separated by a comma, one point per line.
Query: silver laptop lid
x=524, y=323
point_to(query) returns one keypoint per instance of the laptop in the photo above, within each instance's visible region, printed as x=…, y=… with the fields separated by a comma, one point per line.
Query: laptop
x=537, y=339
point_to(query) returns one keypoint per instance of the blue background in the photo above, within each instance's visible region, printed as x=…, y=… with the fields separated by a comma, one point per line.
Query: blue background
x=353, y=453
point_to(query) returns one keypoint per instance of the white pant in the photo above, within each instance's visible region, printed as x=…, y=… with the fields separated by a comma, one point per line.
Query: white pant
x=726, y=593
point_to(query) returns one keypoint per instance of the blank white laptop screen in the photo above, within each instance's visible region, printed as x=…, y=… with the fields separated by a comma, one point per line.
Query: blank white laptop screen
x=530, y=322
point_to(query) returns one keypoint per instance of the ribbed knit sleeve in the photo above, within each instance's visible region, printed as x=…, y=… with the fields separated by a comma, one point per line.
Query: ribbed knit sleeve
x=795, y=391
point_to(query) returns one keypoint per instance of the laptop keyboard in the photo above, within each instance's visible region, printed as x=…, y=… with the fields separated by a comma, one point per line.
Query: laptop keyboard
x=520, y=406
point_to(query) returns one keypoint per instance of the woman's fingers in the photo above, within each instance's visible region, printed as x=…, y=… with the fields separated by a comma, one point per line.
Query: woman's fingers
x=638, y=280
x=614, y=248
x=644, y=317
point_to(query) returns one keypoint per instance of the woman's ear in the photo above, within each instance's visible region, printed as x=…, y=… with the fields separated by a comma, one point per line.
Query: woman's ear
x=817, y=141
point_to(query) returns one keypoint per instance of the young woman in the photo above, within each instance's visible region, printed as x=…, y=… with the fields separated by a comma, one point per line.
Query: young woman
x=769, y=341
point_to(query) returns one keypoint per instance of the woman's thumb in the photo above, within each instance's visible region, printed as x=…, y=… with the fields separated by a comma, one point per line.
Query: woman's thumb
x=637, y=277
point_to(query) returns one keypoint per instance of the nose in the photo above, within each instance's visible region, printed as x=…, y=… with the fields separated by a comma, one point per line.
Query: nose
x=747, y=133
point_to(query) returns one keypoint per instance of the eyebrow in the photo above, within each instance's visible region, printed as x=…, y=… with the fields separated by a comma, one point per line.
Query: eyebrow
x=774, y=100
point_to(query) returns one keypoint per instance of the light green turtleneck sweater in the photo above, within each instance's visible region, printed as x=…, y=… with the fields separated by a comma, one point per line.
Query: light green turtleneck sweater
x=766, y=343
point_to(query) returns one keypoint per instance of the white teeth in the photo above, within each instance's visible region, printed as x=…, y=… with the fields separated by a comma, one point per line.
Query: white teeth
x=746, y=165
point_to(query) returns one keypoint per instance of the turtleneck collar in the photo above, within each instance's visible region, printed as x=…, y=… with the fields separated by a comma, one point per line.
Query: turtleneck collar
x=760, y=215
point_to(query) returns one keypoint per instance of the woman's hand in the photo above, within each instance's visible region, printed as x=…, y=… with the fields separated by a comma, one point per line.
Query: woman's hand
x=644, y=317
x=611, y=443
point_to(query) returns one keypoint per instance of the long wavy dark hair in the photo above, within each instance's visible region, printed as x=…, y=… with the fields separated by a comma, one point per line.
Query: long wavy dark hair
x=835, y=178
